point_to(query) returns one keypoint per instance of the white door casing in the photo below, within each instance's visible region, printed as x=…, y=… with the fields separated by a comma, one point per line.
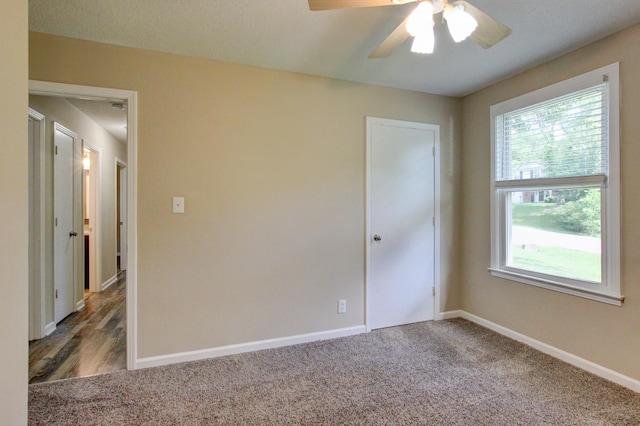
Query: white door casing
x=64, y=230
x=122, y=226
x=401, y=231
x=131, y=98
x=37, y=318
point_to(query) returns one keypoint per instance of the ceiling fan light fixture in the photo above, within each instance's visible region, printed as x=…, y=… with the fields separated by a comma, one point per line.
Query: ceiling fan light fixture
x=461, y=24
x=420, y=26
x=421, y=19
x=424, y=42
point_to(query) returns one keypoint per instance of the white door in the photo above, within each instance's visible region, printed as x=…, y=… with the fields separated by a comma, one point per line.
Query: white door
x=401, y=204
x=64, y=234
x=123, y=219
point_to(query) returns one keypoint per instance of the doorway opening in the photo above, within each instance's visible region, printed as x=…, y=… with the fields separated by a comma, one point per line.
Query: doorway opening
x=104, y=296
x=91, y=216
x=121, y=215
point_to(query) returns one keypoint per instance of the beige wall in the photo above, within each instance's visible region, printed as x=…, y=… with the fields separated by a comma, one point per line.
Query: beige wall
x=271, y=165
x=63, y=112
x=604, y=334
x=13, y=211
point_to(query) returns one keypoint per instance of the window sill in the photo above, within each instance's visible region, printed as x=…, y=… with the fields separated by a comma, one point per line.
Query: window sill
x=559, y=287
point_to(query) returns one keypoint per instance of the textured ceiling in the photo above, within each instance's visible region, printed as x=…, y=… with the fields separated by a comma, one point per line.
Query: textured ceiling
x=285, y=35
x=106, y=115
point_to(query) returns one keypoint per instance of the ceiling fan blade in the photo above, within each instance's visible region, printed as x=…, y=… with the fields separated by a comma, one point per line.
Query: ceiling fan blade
x=489, y=31
x=347, y=4
x=395, y=39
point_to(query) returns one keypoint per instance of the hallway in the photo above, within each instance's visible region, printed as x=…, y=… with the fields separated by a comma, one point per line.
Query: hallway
x=91, y=341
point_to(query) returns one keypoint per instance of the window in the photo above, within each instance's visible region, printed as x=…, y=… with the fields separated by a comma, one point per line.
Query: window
x=555, y=203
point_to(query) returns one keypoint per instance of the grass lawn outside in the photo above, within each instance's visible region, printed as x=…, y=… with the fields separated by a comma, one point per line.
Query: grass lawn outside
x=545, y=258
x=538, y=216
x=558, y=261
x=533, y=215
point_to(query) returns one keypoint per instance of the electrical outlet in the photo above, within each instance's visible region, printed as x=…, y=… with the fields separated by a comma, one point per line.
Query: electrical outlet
x=178, y=204
x=342, y=306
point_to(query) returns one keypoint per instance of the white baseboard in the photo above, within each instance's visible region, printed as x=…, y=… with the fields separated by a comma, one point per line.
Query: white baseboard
x=156, y=361
x=448, y=315
x=567, y=357
x=108, y=282
x=80, y=305
x=49, y=328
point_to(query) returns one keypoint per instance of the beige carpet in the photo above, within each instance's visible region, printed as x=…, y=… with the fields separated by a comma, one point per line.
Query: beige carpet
x=437, y=373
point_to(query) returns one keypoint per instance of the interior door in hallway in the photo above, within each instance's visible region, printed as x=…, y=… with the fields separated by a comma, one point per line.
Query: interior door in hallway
x=401, y=210
x=64, y=234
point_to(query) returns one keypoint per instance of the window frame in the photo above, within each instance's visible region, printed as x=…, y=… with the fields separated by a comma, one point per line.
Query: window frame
x=609, y=290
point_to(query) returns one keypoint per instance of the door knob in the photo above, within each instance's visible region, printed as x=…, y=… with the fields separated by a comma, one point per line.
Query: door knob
x=377, y=238
x=73, y=234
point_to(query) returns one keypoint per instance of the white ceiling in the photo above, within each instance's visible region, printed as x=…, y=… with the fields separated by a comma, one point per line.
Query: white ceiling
x=285, y=35
x=113, y=120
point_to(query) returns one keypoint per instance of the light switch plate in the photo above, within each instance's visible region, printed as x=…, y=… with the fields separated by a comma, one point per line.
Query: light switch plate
x=178, y=204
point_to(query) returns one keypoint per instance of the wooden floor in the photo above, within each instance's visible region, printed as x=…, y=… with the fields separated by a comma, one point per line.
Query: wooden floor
x=88, y=342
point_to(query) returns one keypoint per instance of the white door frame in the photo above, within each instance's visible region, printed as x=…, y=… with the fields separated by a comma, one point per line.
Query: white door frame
x=370, y=122
x=37, y=318
x=95, y=234
x=123, y=165
x=131, y=98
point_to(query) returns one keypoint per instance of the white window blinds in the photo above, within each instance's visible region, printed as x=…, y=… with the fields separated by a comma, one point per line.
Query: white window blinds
x=559, y=138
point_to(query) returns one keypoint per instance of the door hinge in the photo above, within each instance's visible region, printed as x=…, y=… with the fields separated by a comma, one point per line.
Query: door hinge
x=434, y=151
x=56, y=293
x=56, y=222
x=434, y=290
x=434, y=221
x=56, y=150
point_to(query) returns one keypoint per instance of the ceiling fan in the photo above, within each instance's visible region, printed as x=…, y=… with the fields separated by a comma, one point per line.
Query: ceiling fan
x=463, y=20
